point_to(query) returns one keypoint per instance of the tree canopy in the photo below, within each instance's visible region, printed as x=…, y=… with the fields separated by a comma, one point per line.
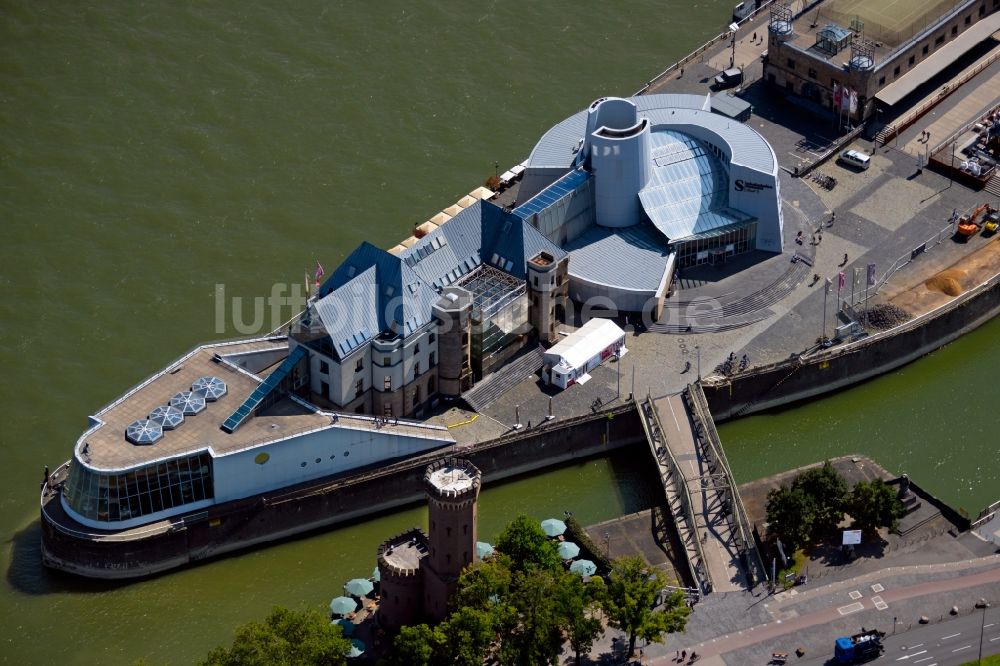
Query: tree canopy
x=629, y=603
x=829, y=493
x=521, y=607
x=524, y=542
x=790, y=516
x=285, y=638
x=874, y=504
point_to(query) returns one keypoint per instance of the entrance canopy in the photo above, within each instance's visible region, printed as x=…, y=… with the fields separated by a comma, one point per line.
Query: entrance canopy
x=936, y=63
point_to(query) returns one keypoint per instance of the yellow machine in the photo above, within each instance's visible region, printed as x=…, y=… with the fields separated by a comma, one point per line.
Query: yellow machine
x=967, y=224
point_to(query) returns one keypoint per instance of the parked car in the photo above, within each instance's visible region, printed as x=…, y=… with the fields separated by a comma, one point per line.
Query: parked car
x=729, y=78
x=855, y=159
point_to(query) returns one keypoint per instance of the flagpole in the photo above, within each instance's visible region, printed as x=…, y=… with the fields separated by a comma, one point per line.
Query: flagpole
x=854, y=283
x=826, y=295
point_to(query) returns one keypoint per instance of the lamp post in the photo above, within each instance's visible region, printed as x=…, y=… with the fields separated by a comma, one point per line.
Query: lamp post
x=697, y=350
x=982, y=630
x=732, y=59
x=951, y=173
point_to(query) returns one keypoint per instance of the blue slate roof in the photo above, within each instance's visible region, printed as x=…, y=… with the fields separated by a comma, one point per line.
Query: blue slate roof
x=373, y=291
x=482, y=233
x=370, y=292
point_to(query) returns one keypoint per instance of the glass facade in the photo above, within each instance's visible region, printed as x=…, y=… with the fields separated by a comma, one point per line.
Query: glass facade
x=716, y=247
x=113, y=497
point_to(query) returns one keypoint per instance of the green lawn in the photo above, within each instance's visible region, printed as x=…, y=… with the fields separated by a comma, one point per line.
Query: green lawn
x=993, y=660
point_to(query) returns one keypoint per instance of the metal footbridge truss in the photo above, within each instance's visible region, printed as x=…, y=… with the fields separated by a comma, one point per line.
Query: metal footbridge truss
x=702, y=495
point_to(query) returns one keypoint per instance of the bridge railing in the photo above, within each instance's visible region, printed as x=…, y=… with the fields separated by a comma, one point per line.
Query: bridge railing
x=743, y=530
x=654, y=434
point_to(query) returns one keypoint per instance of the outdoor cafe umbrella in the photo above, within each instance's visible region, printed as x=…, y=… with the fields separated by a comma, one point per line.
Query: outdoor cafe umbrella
x=568, y=550
x=343, y=605
x=346, y=626
x=483, y=549
x=583, y=568
x=357, y=648
x=553, y=527
x=358, y=587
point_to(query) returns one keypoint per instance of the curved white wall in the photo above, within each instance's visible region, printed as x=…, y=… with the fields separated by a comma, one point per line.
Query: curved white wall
x=339, y=448
x=619, y=160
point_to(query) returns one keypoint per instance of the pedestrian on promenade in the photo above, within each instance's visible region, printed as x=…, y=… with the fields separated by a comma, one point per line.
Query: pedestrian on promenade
x=844, y=262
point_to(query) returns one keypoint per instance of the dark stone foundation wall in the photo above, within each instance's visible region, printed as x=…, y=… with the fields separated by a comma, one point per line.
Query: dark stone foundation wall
x=243, y=523
x=794, y=380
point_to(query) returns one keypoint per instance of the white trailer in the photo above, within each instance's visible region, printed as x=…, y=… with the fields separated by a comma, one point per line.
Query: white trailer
x=583, y=350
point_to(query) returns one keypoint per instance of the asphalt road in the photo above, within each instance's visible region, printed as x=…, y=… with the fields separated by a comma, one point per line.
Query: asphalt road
x=950, y=643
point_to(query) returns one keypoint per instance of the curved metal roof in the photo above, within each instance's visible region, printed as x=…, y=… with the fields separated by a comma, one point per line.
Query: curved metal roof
x=557, y=147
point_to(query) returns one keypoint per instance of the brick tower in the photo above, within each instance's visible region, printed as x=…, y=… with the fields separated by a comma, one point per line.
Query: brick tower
x=452, y=487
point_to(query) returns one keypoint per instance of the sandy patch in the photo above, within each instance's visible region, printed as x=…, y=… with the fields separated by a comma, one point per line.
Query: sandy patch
x=958, y=278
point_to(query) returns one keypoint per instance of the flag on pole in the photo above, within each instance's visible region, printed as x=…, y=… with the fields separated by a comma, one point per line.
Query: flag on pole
x=857, y=276
x=871, y=275
x=836, y=95
x=306, y=273
x=841, y=280
x=829, y=285
x=319, y=272
x=854, y=101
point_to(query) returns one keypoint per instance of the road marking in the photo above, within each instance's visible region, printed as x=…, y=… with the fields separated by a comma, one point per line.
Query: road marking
x=854, y=594
x=924, y=659
x=879, y=603
x=914, y=647
x=995, y=639
x=910, y=656
x=851, y=608
x=964, y=647
x=944, y=638
x=877, y=587
x=988, y=625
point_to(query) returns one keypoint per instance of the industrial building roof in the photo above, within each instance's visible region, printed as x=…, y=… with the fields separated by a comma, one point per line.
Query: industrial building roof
x=632, y=258
x=558, y=147
x=939, y=60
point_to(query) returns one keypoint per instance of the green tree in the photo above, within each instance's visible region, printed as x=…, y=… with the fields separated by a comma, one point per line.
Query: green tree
x=575, y=604
x=285, y=637
x=790, y=516
x=829, y=492
x=482, y=586
x=524, y=542
x=418, y=645
x=874, y=504
x=629, y=598
x=535, y=635
x=468, y=633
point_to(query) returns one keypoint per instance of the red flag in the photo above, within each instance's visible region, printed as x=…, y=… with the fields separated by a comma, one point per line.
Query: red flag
x=841, y=280
x=836, y=95
x=319, y=272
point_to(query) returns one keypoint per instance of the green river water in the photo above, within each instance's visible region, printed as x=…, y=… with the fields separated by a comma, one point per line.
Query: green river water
x=151, y=151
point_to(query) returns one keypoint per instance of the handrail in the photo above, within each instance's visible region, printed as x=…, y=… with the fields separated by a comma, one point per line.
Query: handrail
x=701, y=49
x=649, y=412
x=700, y=402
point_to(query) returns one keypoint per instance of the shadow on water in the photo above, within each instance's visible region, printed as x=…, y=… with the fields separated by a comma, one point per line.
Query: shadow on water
x=27, y=575
x=636, y=481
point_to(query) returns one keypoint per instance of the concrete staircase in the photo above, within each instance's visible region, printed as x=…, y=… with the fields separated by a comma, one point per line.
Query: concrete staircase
x=993, y=185
x=483, y=394
x=735, y=312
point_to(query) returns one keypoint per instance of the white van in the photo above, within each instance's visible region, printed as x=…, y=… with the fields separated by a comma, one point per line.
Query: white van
x=855, y=159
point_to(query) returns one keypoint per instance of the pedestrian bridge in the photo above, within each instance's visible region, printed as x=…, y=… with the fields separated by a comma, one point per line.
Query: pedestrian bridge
x=701, y=493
